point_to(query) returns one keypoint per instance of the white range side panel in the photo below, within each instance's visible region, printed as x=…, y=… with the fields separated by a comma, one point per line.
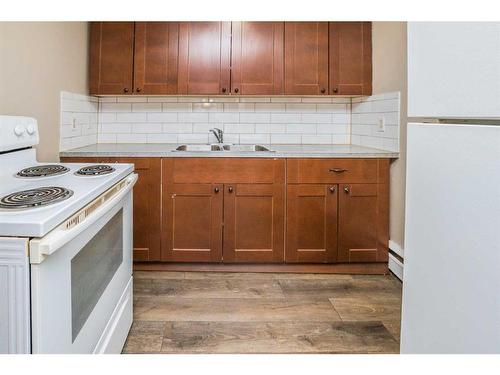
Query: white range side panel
x=454, y=69
x=451, y=286
x=14, y=296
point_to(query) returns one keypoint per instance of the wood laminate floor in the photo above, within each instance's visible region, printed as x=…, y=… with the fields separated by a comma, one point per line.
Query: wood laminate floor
x=199, y=312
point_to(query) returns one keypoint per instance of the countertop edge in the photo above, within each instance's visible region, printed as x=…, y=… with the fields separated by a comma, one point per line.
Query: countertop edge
x=361, y=152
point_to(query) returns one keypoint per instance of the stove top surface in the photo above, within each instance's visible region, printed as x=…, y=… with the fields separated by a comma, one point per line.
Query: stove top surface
x=32, y=206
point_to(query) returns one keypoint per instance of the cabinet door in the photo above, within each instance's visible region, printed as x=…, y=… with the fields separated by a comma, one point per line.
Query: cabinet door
x=192, y=222
x=358, y=221
x=204, y=57
x=351, y=58
x=257, y=58
x=306, y=58
x=111, y=57
x=254, y=217
x=147, y=214
x=311, y=223
x=156, y=57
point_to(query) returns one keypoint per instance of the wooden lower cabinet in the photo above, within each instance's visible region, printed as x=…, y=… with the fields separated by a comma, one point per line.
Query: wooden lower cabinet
x=339, y=222
x=252, y=210
x=147, y=210
x=192, y=223
x=254, y=219
x=223, y=210
x=312, y=212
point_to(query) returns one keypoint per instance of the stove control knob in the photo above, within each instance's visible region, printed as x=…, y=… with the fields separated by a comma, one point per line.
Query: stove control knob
x=31, y=130
x=19, y=130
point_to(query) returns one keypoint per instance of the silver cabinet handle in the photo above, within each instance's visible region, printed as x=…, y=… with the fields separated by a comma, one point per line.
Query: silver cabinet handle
x=338, y=170
x=332, y=189
x=230, y=189
x=346, y=189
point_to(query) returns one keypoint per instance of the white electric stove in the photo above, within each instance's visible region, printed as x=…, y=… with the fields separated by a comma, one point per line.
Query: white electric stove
x=65, y=249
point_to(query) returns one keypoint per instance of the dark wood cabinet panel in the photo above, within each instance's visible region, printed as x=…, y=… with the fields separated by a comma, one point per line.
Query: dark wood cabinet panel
x=358, y=223
x=156, y=57
x=350, y=58
x=311, y=224
x=192, y=223
x=254, y=216
x=364, y=219
x=257, y=58
x=111, y=58
x=204, y=57
x=191, y=220
x=306, y=58
x=147, y=211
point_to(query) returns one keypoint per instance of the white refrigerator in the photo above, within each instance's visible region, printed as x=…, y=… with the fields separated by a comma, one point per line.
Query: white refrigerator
x=451, y=285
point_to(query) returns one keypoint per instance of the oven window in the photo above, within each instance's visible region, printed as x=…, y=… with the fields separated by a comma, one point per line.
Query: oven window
x=93, y=268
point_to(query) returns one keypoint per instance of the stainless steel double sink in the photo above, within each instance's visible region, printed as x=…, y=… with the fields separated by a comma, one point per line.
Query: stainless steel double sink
x=222, y=148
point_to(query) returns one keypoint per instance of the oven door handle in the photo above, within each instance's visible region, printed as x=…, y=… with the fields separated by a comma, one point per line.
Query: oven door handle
x=76, y=224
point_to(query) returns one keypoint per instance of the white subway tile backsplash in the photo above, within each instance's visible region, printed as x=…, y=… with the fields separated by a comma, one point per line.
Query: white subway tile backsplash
x=106, y=138
x=207, y=107
x=239, y=107
x=162, y=138
x=266, y=120
x=131, y=138
x=300, y=107
x=116, y=127
x=323, y=139
x=318, y=118
x=255, y=138
x=192, y=138
x=147, y=128
x=224, y=117
x=115, y=107
x=285, y=118
x=78, y=121
x=162, y=117
x=286, y=138
x=367, y=112
x=193, y=117
x=261, y=118
x=239, y=128
x=131, y=117
x=177, y=128
x=177, y=107
x=146, y=107
x=301, y=128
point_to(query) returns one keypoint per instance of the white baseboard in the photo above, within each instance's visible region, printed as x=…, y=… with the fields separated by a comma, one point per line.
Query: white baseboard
x=397, y=248
x=396, y=266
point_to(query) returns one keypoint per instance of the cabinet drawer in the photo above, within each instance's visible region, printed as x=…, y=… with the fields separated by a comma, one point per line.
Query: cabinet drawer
x=225, y=170
x=314, y=171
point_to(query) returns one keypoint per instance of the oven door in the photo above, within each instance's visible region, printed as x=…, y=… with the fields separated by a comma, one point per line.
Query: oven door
x=81, y=278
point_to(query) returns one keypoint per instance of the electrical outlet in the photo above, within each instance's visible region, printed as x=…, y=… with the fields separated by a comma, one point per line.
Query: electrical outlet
x=381, y=124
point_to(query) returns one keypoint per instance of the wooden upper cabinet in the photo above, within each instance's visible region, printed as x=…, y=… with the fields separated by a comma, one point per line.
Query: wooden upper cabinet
x=351, y=58
x=111, y=57
x=156, y=57
x=257, y=58
x=306, y=58
x=204, y=57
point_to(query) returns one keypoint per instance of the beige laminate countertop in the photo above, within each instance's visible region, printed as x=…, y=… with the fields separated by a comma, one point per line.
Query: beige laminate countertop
x=277, y=151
